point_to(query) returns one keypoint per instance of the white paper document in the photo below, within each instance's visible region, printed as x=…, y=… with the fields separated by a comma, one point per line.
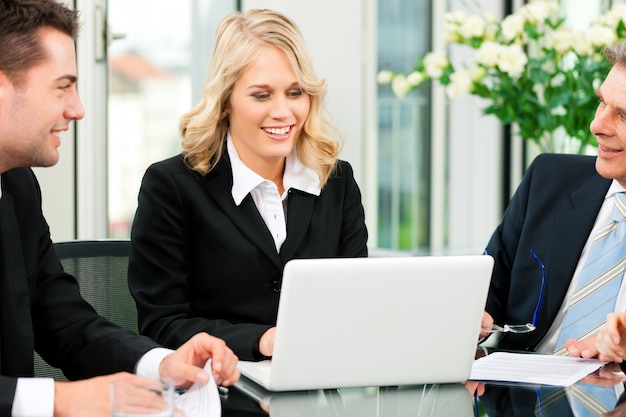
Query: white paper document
x=201, y=400
x=533, y=368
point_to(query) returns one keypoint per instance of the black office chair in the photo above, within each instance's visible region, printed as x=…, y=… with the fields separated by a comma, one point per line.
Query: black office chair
x=101, y=268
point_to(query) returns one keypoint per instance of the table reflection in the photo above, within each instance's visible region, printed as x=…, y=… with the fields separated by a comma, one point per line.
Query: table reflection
x=517, y=401
x=248, y=399
x=521, y=400
x=437, y=400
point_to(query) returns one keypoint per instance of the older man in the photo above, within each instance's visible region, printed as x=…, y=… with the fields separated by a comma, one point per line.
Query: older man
x=560, y=249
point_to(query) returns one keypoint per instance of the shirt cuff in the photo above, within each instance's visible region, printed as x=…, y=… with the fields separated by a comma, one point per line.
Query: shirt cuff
x=149, y=363
x=34, y=397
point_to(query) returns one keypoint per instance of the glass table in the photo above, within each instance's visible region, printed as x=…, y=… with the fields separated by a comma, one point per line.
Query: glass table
x=424, y=400
x=247, y=399
x=444, y=400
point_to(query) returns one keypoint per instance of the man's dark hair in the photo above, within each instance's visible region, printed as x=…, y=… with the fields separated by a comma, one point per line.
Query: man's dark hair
x=20, y=22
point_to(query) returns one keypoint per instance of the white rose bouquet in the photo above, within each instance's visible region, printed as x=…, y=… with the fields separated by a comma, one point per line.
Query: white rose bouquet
x=535, y=71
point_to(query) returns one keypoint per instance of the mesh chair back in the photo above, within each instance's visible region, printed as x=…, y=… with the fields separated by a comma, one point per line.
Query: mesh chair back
x=101, y=269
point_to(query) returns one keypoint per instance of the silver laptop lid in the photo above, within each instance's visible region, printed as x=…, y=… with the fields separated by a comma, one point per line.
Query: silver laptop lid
x=378, y=321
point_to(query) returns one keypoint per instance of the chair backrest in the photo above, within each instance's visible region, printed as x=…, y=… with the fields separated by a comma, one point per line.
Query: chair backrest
x=101, y=269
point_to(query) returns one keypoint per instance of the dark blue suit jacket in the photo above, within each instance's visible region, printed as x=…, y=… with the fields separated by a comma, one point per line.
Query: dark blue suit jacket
x=552, y=213
x=41, y=307
x=200, y=263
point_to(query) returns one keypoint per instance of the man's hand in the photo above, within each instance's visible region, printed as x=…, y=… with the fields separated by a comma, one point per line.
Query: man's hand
x=185, y=365
x=86, y=398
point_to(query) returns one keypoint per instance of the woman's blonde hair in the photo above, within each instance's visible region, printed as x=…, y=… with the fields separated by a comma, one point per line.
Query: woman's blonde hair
x=240, y=37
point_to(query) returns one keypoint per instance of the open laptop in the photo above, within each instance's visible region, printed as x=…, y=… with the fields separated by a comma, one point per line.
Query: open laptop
x=354, y=322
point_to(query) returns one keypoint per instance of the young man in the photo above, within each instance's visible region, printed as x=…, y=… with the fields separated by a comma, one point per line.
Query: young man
x=40, y=306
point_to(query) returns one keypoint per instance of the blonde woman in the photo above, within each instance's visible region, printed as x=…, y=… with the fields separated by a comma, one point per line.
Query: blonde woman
x=258, y=183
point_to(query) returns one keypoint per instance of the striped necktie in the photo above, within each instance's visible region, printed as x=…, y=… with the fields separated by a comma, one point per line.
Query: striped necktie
x=594, y=298
x=599, y=281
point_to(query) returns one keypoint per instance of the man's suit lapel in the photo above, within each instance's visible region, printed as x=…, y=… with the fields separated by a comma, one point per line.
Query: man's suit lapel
x=569, y=241
x=16, y=340
x=219, y=183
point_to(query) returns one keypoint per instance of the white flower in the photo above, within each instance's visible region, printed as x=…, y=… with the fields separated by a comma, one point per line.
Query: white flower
x=559, y=111
x=561, y=40
x=452, y=22
x=612, y=18
x=488, y=17
x=538, y=11
x=596, y=84
x=512, y=60
x=491, y=31
x=451, y=33
x=460, y=83
x=457, y=17
x=557, y=80
x=549, y=67
x=400, y=86
x=513, y=27
x=581, y=45
x=477, y=73
x=601, y=36
x=609, y=19
x=619, y=10
x=384, y=77
x=435, y=63
x=487, y=54
x=415, y=78
x=473, y=27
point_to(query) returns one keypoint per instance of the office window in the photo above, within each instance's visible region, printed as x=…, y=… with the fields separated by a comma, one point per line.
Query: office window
x=156, y=70
x=403, y=154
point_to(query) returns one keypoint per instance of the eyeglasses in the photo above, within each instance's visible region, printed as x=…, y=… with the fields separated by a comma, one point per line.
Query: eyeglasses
x=521, y=328
x=528, y=327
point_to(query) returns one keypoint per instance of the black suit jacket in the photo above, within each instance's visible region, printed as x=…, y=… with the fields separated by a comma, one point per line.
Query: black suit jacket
x=552, y=213
x=41, y=307
x=198, y=262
